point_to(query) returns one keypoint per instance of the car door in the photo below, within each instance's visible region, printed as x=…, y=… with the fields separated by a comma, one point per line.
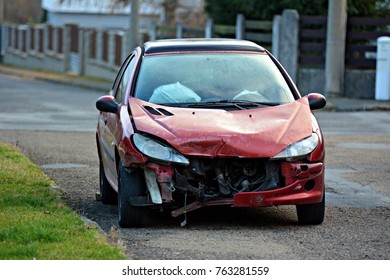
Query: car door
x=110, y=121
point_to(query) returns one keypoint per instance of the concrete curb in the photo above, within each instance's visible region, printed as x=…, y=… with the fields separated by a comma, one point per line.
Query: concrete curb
x=63, y=79
x=356, y=105
x=104, y=88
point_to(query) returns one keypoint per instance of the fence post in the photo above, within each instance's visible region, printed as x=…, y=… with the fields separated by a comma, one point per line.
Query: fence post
x=81, y=48
x=289, y=42
x=99, y=45
x=240, y=27
x=28, y=40
x=209, y=30
x=20, y=39
x=179, y=30
x=4, y=41
x=86, y=51
x=37, y=40
x=13, y=37
x=125, y=51
x=55, y=40
x=66, y=46
x=45, y=39
x=111, y=48
x=153, y=31
x=276, y=36
x=335, y=47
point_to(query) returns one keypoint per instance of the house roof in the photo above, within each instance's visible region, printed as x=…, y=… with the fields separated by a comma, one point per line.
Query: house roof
x=97, y=7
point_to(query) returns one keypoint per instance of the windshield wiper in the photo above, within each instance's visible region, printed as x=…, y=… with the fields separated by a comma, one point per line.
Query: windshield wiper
x=225, y=103
x=241, y=104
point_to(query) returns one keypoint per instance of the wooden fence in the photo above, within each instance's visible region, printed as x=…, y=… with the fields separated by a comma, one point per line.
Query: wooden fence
x=360, y=52
x=362, y=34
x=253, y=30
x=259, y=32
x=108, y=46
x=312, y=41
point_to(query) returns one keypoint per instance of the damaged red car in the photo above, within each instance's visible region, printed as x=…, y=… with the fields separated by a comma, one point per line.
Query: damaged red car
x=196, y=123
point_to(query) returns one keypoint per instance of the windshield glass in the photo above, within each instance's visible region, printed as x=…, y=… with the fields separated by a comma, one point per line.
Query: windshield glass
x=205, y=78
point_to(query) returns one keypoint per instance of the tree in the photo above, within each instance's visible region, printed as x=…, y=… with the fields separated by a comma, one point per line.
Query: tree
x=225, y=11
x=169, y=6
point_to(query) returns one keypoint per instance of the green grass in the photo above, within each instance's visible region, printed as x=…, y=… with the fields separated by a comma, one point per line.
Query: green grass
x=36, y=224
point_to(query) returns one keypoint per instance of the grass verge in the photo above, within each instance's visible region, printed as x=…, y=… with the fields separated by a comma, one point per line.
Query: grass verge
x=36, y=224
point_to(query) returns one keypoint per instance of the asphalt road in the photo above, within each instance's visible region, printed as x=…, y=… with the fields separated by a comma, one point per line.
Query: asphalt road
x=54, y=125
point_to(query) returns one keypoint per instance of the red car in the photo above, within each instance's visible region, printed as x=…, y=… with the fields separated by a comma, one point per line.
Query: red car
x=196, y=123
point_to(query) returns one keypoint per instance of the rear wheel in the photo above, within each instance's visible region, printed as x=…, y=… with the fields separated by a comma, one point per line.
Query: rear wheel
x=131, y=184
x=311, y=214
x=107, y=193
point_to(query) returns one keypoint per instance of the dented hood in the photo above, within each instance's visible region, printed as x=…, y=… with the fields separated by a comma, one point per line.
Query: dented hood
x=252, y=133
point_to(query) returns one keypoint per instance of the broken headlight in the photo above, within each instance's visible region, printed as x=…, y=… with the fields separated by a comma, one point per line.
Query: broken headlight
x=158, y=151
x=299, y=149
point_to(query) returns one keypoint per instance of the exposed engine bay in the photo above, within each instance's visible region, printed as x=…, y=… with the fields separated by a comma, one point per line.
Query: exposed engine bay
x=207, y=179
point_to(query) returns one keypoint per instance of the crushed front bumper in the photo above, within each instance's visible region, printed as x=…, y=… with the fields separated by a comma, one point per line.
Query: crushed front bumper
x=304, y=185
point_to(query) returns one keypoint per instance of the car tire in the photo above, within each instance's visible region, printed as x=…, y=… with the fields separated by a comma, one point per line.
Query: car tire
x=311, y=214
x=107, y=193
x=131, y=183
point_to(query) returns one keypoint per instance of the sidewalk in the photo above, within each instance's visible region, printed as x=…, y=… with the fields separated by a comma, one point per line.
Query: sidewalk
x=67, y=79
x=337, y=104
x=354, y=105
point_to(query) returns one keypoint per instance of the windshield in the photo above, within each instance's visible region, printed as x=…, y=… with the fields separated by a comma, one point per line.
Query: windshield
x=211, y=78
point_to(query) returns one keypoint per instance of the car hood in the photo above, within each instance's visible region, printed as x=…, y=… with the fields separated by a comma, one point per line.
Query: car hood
x=252, y=133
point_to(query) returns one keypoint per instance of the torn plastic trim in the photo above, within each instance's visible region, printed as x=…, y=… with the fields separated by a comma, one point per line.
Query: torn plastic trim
x=151, y=183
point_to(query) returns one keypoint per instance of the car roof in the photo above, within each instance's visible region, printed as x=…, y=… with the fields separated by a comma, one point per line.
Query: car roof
x=177, y=45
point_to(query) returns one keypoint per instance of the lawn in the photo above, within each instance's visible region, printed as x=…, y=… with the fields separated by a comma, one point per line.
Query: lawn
x=36, y=224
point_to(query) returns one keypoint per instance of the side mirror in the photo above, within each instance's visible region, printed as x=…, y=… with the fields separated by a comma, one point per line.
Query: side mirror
x=107, y=104
x=316, y=101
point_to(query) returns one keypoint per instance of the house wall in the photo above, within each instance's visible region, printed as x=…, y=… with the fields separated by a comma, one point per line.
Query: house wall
x=97, y=20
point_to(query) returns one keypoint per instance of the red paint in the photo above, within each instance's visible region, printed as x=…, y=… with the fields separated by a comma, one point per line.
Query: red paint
x=212, y=132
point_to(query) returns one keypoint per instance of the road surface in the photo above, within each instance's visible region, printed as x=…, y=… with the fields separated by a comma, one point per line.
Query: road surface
x=54, y=125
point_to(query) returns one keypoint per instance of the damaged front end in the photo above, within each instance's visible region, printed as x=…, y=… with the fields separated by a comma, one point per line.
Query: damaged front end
x=215, y=178
x=275, y=161
x=234, y=181
x=208, y=182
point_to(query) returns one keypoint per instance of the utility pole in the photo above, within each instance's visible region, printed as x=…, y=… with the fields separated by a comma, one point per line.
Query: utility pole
x=335, y=47
x=132, y=35
x=2, y=12
x=2, y=35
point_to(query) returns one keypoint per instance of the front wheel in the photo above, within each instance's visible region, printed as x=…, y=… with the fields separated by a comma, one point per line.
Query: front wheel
x=311, y=214
x=107, y=193
x=131, y=184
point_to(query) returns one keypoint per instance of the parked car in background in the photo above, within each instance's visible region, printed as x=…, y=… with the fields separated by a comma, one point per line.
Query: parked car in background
x=196, y=123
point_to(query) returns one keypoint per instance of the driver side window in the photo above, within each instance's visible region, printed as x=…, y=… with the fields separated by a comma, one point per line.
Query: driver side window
x=124, y=81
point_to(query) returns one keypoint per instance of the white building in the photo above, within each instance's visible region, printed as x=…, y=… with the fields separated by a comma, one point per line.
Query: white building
x=100, y=13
